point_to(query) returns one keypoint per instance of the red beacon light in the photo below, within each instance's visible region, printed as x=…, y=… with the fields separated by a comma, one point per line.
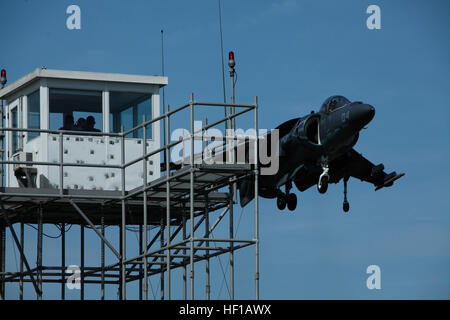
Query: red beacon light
x=3, y=77
x=231, y=62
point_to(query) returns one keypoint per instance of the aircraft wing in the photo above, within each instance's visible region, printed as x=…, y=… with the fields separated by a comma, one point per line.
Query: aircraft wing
x=361, y=168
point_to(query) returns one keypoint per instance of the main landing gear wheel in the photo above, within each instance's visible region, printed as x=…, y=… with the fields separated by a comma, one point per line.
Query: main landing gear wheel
x=289, y=199
x=322, y=185
x=292, y=201
x=281, y=201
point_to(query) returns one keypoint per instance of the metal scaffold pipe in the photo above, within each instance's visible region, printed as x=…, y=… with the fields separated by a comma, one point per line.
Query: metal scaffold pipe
x=123, y=223
x=2, y=261
x=39, y=252
x=63, y=261
x=144, y=177
x=191, y=195
x=256, y=174
x=102, y=256
x=168, y=203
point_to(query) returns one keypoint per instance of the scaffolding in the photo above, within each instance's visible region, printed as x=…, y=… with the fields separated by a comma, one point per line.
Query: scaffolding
x=179, y=204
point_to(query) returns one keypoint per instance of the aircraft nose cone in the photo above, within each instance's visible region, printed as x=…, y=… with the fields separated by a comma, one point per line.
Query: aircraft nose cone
x=363, y=114
x=370, y=112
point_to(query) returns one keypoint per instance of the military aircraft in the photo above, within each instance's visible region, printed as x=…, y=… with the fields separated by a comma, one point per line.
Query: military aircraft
x=317, y=150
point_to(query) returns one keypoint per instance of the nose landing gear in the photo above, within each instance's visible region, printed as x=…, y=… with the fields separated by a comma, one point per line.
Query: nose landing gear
x=322, y=184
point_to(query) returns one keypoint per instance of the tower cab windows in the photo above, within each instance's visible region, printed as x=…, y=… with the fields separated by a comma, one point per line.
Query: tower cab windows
x=33, y=114
x=78, y=118
x=75, y=110
x=127, y=110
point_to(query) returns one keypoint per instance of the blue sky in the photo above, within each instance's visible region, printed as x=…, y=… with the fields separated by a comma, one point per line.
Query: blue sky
x=292, y=54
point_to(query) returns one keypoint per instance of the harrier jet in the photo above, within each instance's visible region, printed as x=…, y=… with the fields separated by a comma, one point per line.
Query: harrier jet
x=317, y=150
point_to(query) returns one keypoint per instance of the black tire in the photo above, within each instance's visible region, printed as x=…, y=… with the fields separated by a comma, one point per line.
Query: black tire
x=346, y=206
x=281, y=201
x=292, y=201
x=322, y=185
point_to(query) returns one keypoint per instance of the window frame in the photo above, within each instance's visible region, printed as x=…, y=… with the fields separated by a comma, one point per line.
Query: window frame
x=28, y=118
x=134, y=106
x=67, y=91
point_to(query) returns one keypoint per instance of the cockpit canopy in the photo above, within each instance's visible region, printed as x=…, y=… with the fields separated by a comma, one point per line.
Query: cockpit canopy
x=334, y=102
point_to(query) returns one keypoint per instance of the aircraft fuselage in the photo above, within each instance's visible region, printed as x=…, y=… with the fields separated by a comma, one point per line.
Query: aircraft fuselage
x=317, y=137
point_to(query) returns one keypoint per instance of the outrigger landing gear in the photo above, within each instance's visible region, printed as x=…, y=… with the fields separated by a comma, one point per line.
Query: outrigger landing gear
x=345, y=205
x=322, y=185
x=289, y=199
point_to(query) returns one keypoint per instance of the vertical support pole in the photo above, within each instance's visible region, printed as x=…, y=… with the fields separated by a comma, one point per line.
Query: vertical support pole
x=22, y=242
x=167, y=158
x=123, y=224
x=140, y=265
x=82, y=261
x=208, y=278
x=105, y=100
x=3, y=146
x=162, y=258
x=39, y=253
x=102, y=258
x=256, y=173
x=44, y=92
x=63, y=261
x=231, y=244
x=233, y=125
x=143, y=225
x=207, y=271
x=61, y=167
x=184, y=254
x=120, y=266
x=191, y=222
x=144, y=245
x=2, y=261
x=233, y=186
x=163, y=91
x=2, y=166
x=232, y=109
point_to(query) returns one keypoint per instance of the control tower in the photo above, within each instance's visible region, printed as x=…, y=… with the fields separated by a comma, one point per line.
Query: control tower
x=77, y=102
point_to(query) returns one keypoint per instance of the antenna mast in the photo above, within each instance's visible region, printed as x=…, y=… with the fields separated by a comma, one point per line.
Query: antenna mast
x=163, y=93
x=223, y=67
